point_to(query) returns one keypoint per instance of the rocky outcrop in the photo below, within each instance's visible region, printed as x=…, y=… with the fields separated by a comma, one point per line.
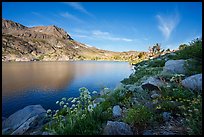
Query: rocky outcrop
x=117, y=128
x=52, y=30
x=152, y=83
x=24, y=119
x=193, y=82
x=174, y=66
x=8, y=24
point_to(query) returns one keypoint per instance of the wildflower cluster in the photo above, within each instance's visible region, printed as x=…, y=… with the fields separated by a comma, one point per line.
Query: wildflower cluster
x=72, y=111
x=193, y=115
x=177, y=78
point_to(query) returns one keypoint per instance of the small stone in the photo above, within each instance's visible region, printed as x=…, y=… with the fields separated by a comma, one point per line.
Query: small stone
x=166, y=116
x=47, y=133
x=147, y=132
x=154, y=96
x=117, y=111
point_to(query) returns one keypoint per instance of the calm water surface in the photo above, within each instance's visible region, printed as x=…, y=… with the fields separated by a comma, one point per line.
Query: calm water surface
x=29, y=83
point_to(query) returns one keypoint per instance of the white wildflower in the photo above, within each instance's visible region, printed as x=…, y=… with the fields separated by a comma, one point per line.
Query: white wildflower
x=49, y=111
x=64, y=99
x=73, y=105
x=78, y=102
x=94, y=92
x=74, y=100
x=82, y=89
x=70, y=99
x=57, y=102
x=90, y=108
x=61, y=103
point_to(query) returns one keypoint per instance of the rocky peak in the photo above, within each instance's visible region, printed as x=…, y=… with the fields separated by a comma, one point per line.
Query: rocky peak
x=52, y=30
x=8, y=24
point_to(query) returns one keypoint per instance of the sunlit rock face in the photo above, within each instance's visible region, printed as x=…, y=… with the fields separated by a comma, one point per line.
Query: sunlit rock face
x=49, y=43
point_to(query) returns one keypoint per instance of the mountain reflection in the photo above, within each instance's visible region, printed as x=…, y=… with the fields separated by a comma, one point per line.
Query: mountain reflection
x=21, y=76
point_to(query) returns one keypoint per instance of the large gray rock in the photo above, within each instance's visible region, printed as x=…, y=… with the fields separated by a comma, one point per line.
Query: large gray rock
x=193, y=82
x=24, y=127
x=117, y=128
x=175, y=66
x=152, y=84
x=7, y=131
x=19, y=118
x=117, y=111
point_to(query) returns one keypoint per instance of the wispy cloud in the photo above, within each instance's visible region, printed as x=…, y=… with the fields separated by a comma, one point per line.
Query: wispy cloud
x=167, y=24
x=108, y=36
x=98, y=34
x=36, y=13
x=78, y=6
x=71, y=17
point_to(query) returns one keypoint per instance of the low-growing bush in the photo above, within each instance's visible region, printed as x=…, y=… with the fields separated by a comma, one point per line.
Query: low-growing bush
x=194, y=51
x=193, y=67
x=156, y=63
x=139, y=116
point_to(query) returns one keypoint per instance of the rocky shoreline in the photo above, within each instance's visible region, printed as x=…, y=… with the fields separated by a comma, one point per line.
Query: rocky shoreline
x=146, y=92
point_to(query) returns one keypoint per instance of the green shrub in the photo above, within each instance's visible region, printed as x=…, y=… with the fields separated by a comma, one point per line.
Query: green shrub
x=193, y=67
x=138, y=116
x=194, y=51
x=177, y=92
x=41, y=57
x=156, y=63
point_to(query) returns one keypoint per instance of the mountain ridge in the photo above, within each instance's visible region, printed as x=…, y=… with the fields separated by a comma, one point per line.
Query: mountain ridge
x=49, y=43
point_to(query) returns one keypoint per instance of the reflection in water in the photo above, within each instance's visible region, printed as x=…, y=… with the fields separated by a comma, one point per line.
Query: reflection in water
x=21, y=76
x=26, y=83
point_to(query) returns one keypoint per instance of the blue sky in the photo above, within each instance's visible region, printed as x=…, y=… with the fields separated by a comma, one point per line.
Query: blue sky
x=116, y=26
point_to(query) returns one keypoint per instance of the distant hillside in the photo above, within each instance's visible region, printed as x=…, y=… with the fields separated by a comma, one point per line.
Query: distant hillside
x=49, y=43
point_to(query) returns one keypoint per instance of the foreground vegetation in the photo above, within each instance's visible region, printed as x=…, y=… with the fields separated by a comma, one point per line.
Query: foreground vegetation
x=83, y=116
